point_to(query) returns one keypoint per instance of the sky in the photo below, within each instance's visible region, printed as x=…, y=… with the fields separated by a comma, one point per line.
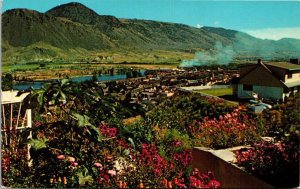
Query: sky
x=266, y=19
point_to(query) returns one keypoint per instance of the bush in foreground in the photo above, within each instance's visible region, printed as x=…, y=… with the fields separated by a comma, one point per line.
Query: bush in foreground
x=277, y=163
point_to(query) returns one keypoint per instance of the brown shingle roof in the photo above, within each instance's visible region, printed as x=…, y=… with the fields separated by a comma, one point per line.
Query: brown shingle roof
x=261, y=75
x=284, y=65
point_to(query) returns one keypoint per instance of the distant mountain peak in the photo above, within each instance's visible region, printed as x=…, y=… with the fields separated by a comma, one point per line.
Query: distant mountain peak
x=72, y=5
x=78, y=12
x=74, y=11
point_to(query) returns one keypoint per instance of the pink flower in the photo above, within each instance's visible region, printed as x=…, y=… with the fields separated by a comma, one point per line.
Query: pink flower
x=98, y=165
x=156, y=172
x=70, y=159
x=60, y=157
x=177, y=143
x=112, y=172
x=74, y=164
x=214, y=184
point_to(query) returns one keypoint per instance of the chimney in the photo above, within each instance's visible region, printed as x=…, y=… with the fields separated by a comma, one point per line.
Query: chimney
x=259, y=61
x=294, y=61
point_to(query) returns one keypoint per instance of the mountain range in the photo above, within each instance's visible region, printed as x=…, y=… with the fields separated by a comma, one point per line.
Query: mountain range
x=75, y=30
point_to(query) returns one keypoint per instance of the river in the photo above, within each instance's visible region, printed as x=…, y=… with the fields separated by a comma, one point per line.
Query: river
x=39, y=84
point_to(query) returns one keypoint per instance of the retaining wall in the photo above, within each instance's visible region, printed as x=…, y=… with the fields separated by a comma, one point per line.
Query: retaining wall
x=229, y=175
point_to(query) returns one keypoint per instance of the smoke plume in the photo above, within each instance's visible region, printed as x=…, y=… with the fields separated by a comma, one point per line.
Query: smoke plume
x=222, y=55
x=246, y=47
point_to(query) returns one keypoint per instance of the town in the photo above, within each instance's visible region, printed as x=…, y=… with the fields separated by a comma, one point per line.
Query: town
x=245, y=83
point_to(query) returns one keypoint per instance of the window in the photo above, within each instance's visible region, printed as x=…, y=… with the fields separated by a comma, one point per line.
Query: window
x=248, y=87
x=290, y=75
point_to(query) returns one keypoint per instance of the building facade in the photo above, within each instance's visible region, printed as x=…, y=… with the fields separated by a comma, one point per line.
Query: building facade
x=270, y=81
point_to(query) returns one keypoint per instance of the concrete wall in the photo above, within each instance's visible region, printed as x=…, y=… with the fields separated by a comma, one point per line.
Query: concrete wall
x=263, y=91
x=295, y=77
x=229, y=175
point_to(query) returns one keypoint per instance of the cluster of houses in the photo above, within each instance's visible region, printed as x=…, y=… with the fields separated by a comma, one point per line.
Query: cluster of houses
x=271, y=81
x=164, y=83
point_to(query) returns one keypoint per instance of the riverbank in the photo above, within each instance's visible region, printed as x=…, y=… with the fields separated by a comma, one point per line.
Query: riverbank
x=70, y=70
x=24, y=85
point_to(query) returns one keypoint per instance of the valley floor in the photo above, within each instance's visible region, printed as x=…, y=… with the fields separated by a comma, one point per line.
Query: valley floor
x=36, y=72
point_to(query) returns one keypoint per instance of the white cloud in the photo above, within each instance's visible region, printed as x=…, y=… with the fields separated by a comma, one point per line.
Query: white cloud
x=199, y=26
x=275, y=33
x=216, y=23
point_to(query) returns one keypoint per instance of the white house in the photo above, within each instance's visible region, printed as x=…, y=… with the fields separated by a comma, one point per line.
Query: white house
x=273, y=80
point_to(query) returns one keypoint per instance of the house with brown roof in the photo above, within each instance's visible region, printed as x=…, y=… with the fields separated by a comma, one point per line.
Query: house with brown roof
x=272, y=81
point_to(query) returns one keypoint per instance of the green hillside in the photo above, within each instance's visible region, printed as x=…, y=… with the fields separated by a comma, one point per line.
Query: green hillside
x=30, y=35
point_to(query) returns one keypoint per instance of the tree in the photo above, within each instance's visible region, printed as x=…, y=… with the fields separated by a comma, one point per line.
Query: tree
x=7, y=82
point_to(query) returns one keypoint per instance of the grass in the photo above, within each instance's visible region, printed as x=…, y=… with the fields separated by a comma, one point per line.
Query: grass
x=76, y=64
x=216, y=92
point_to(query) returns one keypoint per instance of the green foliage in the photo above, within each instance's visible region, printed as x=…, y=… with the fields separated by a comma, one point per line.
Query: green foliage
x=181, y=111
x=283, y=119
x=131, y=142
x=84, y=179
x=83, y=122
x=138, y=132
x=37, y=144
x=63, y=97
x=175, y=135
x=7, y=82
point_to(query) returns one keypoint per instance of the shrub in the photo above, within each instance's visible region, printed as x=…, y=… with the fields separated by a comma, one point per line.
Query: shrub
x=276, y=163
x=204, y=180
x=15, y=170
x=179, y=112
x=229, y=130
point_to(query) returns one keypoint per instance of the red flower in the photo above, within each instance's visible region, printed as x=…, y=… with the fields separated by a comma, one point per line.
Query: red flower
x=214, y=184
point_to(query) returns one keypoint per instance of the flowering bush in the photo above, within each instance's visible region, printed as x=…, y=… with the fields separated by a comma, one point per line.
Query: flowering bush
x=198, y=180
x=277, y=163
x=108, y=132
x=15, y=167
x=154, y=171
x=227, y=131
x=283, y=118
x=181, y=111
x=73, y=146
x=14, y=155
x=70, y=158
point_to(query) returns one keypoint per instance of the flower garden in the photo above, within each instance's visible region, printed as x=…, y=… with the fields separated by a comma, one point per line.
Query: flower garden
x=80, y=139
